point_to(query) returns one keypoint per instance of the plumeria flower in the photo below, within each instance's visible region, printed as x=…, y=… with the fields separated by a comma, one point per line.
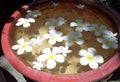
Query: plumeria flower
x=80, y=25
x=22, y=46
x=110, y=34
x=98, y=29
x=80, y=6
x=64, y=50
x=37, y=65
x=51, y=57
x=37, y=40
x=90, y=58
x=55, y=22
x=25, y=22
x=55, y=4
x=54, y=36
x=73, y=37
x=33, y=14
x=108, y=42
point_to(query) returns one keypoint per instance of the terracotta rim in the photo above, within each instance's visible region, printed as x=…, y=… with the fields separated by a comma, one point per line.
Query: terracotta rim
x=40, y=76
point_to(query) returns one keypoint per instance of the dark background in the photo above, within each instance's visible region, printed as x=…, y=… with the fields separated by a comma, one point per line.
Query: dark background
x=7, y=7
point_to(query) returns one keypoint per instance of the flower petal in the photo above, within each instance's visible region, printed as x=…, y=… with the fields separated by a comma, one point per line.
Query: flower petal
x=46, y=51
x=83, y=53
x=46, y=36
x=20, y=51
x=26, y=25
x=51, y=64
x=31, y=20
x=42, y=57
x=92, y=51
x=15, y=47
x=59, y=58
x=28, y=49
x=93, y=65
x=80, y=42
x=83, y=61
x=55, y=50
x=52, y=42
x=72, y=24
x=99, y=59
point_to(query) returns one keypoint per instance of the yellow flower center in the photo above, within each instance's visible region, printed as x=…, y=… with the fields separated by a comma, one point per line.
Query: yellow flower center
x=90, y=57
x=24, y=46
x=53, y=37
x=26, y=22
x=51, y=56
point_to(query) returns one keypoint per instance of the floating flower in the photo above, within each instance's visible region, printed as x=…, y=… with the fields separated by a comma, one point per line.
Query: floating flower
x=25, y=22
x=51, y=56
x=110, y=34
x=108, y=42
x=33, y=14
x=89, y=58
x=98, y=29
x=22, y=46
x=37, y=65
x=55, y=4
x=73, y=37
x=64, y=50
x=37, y=40
x=80, y=6
x=55, y=22
x=54, y=36
x=80, y=25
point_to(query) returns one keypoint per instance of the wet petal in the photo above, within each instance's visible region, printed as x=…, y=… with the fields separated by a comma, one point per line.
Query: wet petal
x=99, y=59
x=83, y=53
x=55, y=50
x=52, y=42
x=20, y=51
x=26, y=25
x=46, y=51
x=83, y=61
x=46, y=36
x=93, y=65
x=15, y=47
x=51, y=64
x=92, y=51
x=59, y=58
x=42, y=57
x=28, y=49
x=80, y=42
x=31, y=20
x=72, y=24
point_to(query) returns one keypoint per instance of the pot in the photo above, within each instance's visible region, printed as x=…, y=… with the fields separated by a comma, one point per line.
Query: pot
x=92, y=75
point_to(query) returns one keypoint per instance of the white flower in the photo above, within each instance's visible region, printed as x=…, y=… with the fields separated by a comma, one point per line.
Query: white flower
x=89, y=58
x=80, y=6
x=110, y=34
x=22, y=46
x=54, y=36
x=98, y=29
x=64, y=50
x=108, y=42
x=55, y=22
x=25, y=22
x=33, y=14
x=37, y=65
x=73, y=37
x=37, y=40
x=55, y=4
x=51, y=56
x=80, y=25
